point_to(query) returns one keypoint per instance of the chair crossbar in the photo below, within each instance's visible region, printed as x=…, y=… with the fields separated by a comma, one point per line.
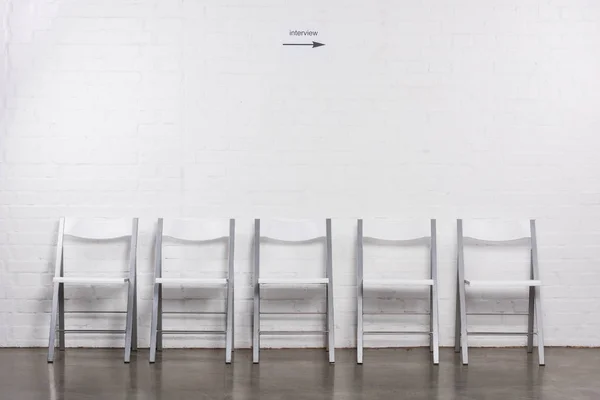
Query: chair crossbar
x=293, y=332
x=291, y=313
x=396, y=313
x=397, y=332
x=89, y=280
x=196, y=312
x=191, y=281
x=399, y=282
x=95, y=312
x=530, y=282
x=91, y=330
x=498, y=313
x=501, y=333
x=191, y=332
x=293, y=281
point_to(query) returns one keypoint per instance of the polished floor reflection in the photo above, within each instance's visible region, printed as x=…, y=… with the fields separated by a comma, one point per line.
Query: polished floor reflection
x=501, y=374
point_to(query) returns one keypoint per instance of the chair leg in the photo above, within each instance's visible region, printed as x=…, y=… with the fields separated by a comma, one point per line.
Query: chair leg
x=61, y=316
x=330, y=322
x=360, y=291
x=462, y=301
x=359, y=324
x=457, y=321
x=435, y=329
x=431, y=319
x=129, y=323
x=159, y=325
x=229, y=324
x=326, y=318
x=530, y=319
x=463, y=324
x=256, y=325
x=330, y=312
x=154, y=324
x=537, y=301
x=134, y=335
x=53, y=316
x=540, y=326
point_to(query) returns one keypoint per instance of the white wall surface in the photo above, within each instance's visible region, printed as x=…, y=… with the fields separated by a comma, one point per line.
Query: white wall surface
x=183, y=108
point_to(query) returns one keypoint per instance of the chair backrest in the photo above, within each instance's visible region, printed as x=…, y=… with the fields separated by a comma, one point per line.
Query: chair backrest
x=98, y=229
x=292, y=230
x=197, y=231
x=497, y=233
x=486, y=232
x=398, y=232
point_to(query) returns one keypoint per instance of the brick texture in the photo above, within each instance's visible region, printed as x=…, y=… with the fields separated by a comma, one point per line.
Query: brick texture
x=180, y=108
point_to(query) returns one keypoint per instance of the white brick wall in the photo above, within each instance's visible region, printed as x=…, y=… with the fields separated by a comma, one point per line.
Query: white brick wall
x=423, y=109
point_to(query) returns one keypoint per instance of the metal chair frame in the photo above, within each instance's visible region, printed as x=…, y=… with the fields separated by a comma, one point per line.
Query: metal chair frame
x=512, y=235
x=290, y=232
x=403, y=237
x=195, y=232
x=94, y=230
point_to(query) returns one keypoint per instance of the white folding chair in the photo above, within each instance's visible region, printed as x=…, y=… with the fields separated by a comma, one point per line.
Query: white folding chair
x=290, y=232
x=94, y=229
x=195, y=231
x=489, y=233
x=401, y=234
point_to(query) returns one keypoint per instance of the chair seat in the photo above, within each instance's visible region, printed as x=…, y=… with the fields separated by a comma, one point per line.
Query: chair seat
x=192, y=281
x=528, y=282
x=90, y=280
x=399, y=282
x=293, y=281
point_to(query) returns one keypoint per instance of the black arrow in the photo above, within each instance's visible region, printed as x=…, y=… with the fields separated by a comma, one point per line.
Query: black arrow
x=313, y=44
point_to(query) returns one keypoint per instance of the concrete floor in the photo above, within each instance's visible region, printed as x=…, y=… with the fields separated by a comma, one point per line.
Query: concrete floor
x=503, y=374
